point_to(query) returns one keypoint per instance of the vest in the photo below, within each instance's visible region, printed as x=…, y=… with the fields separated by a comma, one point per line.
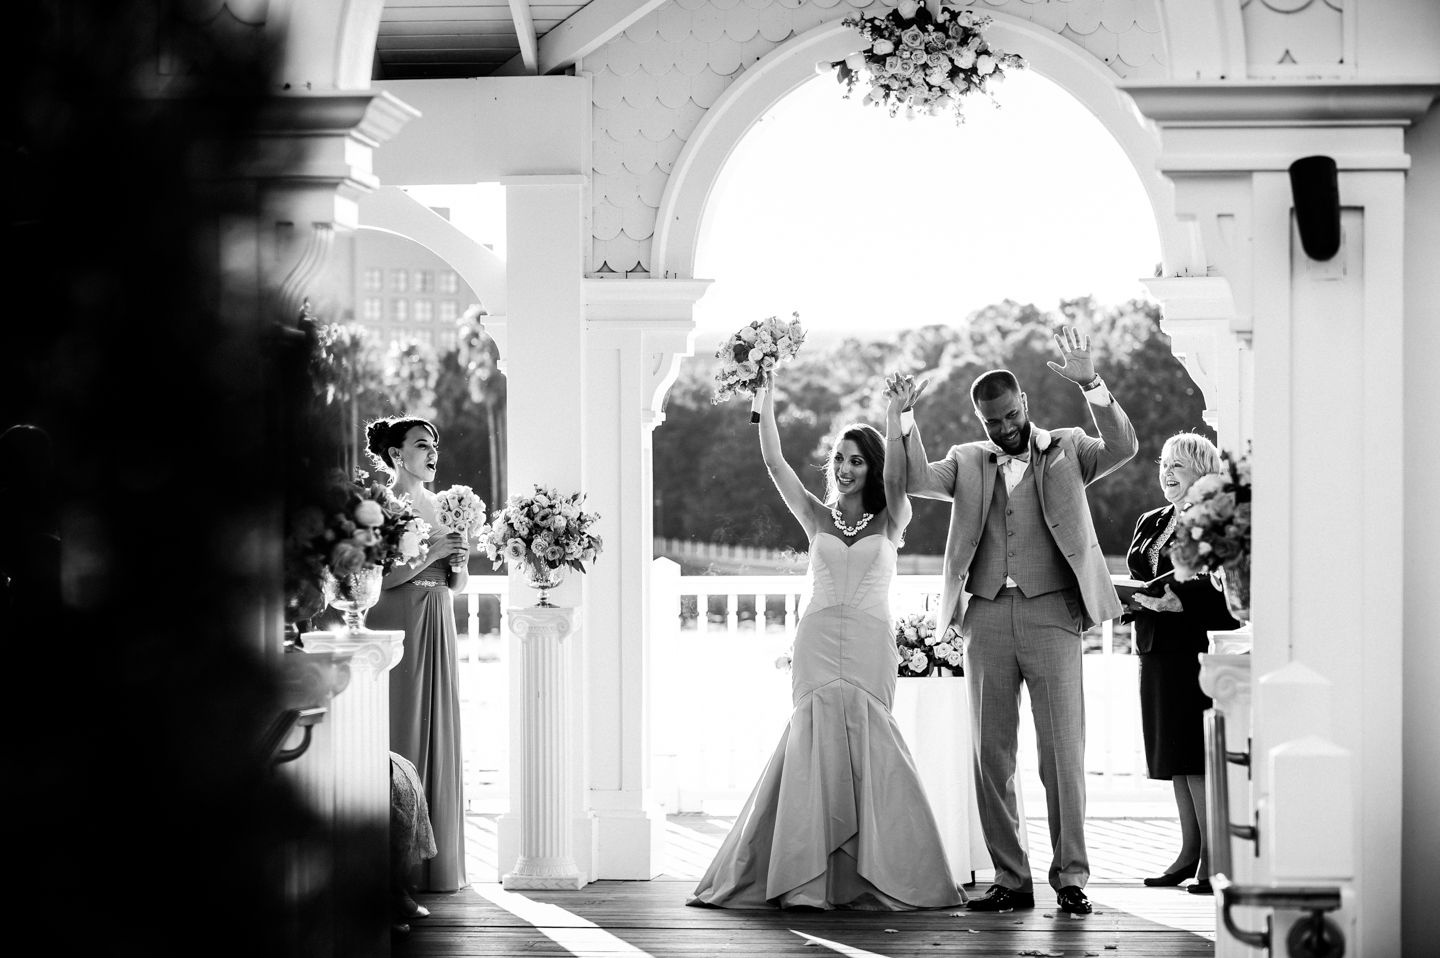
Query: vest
x=1016, y=543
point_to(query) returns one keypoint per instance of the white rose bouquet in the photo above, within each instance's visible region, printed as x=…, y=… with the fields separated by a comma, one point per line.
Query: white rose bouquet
x=923, y=651
x=747, y=357
x=923, y=63
x=545, y=530
x=459, y=508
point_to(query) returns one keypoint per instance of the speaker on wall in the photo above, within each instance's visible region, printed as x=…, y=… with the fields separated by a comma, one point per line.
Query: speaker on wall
x=1315, y=188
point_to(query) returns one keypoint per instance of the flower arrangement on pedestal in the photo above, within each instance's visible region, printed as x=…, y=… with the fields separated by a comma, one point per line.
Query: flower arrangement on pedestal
x=543, y=535
x=1212, y=532
x=923, y=62
x=748, y=356
x=338, y=552
x=923, y=651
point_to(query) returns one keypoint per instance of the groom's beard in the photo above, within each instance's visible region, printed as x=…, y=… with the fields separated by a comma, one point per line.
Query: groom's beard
x=1017, y=442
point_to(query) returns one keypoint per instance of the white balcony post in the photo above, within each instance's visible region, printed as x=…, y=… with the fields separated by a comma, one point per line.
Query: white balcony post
x=637, y=332
x=1226, y=679
x=547, y=845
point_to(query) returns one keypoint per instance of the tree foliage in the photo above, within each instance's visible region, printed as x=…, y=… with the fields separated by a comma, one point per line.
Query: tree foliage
x=710, y=482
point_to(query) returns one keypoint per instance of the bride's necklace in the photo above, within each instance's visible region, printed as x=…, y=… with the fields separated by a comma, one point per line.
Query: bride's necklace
x=851, y=530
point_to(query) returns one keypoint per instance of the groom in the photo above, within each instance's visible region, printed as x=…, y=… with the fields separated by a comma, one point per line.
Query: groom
x=1023, y=546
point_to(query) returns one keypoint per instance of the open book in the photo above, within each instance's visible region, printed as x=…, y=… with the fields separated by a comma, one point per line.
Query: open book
x=1126, y=587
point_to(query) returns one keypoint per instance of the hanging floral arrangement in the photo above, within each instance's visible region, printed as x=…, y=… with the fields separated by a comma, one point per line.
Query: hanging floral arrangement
x=921, y=62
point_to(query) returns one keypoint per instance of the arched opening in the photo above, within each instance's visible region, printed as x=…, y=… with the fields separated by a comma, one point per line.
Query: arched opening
x=873, y=191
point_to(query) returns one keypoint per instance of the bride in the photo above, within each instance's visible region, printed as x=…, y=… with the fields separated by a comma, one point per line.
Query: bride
x=838, y=818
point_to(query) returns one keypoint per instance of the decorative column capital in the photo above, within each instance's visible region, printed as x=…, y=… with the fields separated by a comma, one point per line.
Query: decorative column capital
x=542, y=622
x=370, y=653
x=310, y=680
x=1226, y=679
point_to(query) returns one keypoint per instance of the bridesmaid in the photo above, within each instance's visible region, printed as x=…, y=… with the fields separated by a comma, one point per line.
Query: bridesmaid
x=424, y=687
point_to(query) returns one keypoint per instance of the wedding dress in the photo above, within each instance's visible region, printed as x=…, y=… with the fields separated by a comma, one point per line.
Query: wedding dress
x=838, y=818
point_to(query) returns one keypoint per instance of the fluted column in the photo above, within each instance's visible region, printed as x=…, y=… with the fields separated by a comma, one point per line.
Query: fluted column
x=360, y=721
x=1226, y=679
x=547, y=848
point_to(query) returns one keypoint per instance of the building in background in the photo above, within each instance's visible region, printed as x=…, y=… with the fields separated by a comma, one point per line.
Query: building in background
x=394, y=287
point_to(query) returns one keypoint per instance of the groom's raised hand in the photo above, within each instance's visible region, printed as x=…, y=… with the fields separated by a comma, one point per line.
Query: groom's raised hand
x=1074, y=348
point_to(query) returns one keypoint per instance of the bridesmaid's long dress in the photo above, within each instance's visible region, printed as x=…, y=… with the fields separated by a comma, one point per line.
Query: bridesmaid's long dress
x=425, y=713
x=838, y=818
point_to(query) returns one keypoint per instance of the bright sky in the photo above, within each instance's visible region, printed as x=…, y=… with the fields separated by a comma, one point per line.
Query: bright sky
x=864, y=223
x=867, y=223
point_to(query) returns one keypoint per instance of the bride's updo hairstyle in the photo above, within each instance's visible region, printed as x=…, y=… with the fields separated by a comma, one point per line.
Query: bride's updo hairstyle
x=384, y=434
x=872, y=448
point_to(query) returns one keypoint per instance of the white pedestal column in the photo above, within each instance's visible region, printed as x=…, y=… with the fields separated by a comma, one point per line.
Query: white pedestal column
x=547, y=846
x=1226, y=679
x=360, y=721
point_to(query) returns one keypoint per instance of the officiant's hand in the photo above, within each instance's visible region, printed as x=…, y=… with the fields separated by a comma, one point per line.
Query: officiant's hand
x=1168, y=602
x=1074, y=348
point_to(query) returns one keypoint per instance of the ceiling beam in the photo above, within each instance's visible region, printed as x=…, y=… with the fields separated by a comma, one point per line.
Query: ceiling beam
x=525, y=30
x=588, y=29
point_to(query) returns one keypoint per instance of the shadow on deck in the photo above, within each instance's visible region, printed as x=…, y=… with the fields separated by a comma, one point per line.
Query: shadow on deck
x=632, y=918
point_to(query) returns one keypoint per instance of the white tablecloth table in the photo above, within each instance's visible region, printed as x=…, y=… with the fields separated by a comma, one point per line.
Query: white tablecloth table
x=934, y=716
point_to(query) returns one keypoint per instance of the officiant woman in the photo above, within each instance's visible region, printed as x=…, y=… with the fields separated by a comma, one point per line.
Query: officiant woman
x=1170, y=632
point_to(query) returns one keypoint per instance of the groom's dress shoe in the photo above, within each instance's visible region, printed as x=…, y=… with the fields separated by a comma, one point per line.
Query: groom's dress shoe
x=1170, y=879
x=1000, y=898
x=1072, y=899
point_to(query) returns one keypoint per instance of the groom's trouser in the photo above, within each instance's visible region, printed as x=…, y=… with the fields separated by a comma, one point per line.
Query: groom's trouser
x=1008, y=640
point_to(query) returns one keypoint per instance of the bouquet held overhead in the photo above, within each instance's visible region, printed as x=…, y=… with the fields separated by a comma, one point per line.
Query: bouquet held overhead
x=748, y=357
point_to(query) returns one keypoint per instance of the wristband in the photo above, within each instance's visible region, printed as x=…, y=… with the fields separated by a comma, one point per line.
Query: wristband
x=1092, y=384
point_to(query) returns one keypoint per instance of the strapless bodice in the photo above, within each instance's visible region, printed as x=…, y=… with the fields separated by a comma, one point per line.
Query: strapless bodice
x=856, y=575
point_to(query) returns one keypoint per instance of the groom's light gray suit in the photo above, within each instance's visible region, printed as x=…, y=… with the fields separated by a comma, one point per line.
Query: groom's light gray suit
x=1031, y=563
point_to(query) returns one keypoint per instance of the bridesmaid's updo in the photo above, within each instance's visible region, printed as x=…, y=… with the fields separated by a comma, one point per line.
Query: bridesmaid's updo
x=384, y=434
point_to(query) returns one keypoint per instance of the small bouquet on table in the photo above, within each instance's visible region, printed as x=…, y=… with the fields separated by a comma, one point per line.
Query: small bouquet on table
x=543, y=535
x=1212, y=533
x=924, y=651
x=747, y=357
x=343, y=550
x=460, y=509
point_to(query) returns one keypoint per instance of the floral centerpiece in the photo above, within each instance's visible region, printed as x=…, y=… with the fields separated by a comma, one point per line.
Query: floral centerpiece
x=747, y=357
x=923, y=62
x=338, y=552
x=923, y=651
x=1212, y=532
x=543, y=534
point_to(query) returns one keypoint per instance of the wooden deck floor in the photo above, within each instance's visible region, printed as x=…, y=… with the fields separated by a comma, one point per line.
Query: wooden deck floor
x=638, y=919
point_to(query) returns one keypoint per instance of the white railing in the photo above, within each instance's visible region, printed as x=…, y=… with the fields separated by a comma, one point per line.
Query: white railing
x=719, y=703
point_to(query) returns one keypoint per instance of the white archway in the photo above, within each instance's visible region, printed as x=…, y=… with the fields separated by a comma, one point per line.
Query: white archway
x=680, y=222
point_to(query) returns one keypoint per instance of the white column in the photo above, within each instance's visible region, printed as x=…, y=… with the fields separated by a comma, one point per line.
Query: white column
x=638, y=331
x=360, y=721
x=547, y=847
x=308, y=681
x=1226, y=679
x=546, y=420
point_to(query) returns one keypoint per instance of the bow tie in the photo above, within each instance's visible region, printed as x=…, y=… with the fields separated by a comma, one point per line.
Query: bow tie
x=1001, y=458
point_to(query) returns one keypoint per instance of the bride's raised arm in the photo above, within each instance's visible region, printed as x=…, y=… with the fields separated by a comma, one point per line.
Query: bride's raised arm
x=897, y=472
x=801, y=503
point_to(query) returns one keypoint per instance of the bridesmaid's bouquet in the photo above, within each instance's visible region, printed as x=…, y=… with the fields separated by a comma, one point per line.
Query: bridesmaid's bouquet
x=747, y=357
x=545, y=530
x=923, y=651
x=459, y=508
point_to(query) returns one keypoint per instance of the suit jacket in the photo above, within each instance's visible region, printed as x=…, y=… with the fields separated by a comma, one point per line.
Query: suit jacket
x=1186, y=631
x=1070, y=461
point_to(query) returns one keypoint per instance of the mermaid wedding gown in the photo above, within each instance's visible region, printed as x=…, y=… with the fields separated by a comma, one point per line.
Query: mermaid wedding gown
x=838, y=818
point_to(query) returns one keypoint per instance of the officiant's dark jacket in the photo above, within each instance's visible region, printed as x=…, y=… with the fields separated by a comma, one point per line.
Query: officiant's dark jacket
x=1184, y=632
x=1064, y=462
